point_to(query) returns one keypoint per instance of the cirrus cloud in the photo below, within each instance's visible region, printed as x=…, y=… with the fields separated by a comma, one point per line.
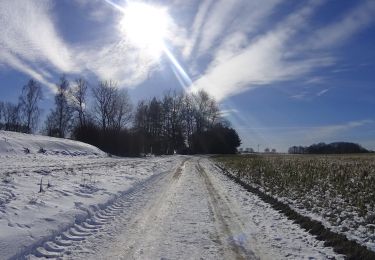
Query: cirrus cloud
x=245, y=59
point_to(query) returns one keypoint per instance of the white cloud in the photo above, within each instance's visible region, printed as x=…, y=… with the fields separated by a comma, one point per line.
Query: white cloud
x=266, y=60
x=340, y=31
x=37, y=74
x=27, y=31
x=246, y=59
x=228, y=31
x=215, y=22
x=316, y=80
x=119, y=61
x=197, y=26
x=322, y=92
x=228, y=112
x=309, y=94
x=300, y=96
x=31, y=43
x=226, y=17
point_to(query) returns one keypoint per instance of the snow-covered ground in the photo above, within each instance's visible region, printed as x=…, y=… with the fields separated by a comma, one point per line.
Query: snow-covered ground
x=98, y=207
x=77, y=179
x=335, y=190
x=12, y=143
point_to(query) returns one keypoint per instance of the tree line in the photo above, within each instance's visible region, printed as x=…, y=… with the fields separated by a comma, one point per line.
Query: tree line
x=104, y=115
x=332, y=148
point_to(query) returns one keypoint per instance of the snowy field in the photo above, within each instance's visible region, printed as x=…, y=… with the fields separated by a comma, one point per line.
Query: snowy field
x=96, y=207
x=77, y=179
x=336, y=190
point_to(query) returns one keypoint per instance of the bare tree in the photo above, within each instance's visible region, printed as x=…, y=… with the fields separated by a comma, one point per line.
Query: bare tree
x=188, y=117
x=206, y=111
x=173, y=120
x=140, y=116
x=79, y=100
x=11, y=113
x=29, y=104
x=51, y=128
x=112, y=107
x=58, y=122
x=104, y=97
x=122, y=110
x=213, y=113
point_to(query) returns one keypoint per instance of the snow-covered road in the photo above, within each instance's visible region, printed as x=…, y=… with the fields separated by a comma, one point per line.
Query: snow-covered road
x=192, y=211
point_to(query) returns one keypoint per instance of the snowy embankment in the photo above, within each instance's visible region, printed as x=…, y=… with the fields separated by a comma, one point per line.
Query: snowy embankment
x=47, y=184
x=12, y=143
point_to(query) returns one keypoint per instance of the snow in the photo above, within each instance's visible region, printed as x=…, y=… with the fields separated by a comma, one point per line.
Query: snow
x=272, y=234
x=81, y=178
x=326, y=202
x=97, y=207
x=12, y=143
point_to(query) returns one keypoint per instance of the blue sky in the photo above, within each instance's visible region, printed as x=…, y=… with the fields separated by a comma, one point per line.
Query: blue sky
x=285, y=72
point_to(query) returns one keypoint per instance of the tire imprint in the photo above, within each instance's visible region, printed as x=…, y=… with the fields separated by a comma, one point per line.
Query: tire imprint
x=224, y=218
x=152, y=210
x=59, y=244
x=6, y=195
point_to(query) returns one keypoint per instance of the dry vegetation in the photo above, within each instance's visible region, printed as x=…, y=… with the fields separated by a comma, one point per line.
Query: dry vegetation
x=338, y=189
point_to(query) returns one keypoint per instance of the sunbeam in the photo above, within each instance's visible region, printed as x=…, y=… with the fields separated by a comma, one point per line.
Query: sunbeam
x=147, y=26
x=178, y=70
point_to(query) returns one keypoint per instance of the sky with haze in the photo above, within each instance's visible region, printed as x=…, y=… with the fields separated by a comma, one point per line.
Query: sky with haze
x=284, y=72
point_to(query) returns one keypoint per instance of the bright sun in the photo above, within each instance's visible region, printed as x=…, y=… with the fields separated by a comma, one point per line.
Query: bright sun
x=146, y=26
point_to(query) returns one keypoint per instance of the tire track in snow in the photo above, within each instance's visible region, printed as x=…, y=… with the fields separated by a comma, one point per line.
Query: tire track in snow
x=149, y=214
x=183, y=222
x=146, y=224
x=72, y=240
x=6, y=195
x=228, y=223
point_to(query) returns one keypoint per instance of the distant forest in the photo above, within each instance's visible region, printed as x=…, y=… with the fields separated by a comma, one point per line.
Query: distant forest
x=332, y=148
x=104, y=116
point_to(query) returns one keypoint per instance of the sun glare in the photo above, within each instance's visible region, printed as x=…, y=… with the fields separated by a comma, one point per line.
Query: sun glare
x=146, y=26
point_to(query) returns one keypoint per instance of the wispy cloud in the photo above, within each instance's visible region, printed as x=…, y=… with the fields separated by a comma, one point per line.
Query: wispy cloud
x=239, y=66
x=37, y=74
x=197, y=27
x=344, y=28
x=28, y=36
x=232, y=45
x=228, y=112
x=246, y=59
x=309, y=94
x=301, y=95
x=316, y=80
x=227, y=17
x=118, y=61
x=322, y=92
x=30, y=42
